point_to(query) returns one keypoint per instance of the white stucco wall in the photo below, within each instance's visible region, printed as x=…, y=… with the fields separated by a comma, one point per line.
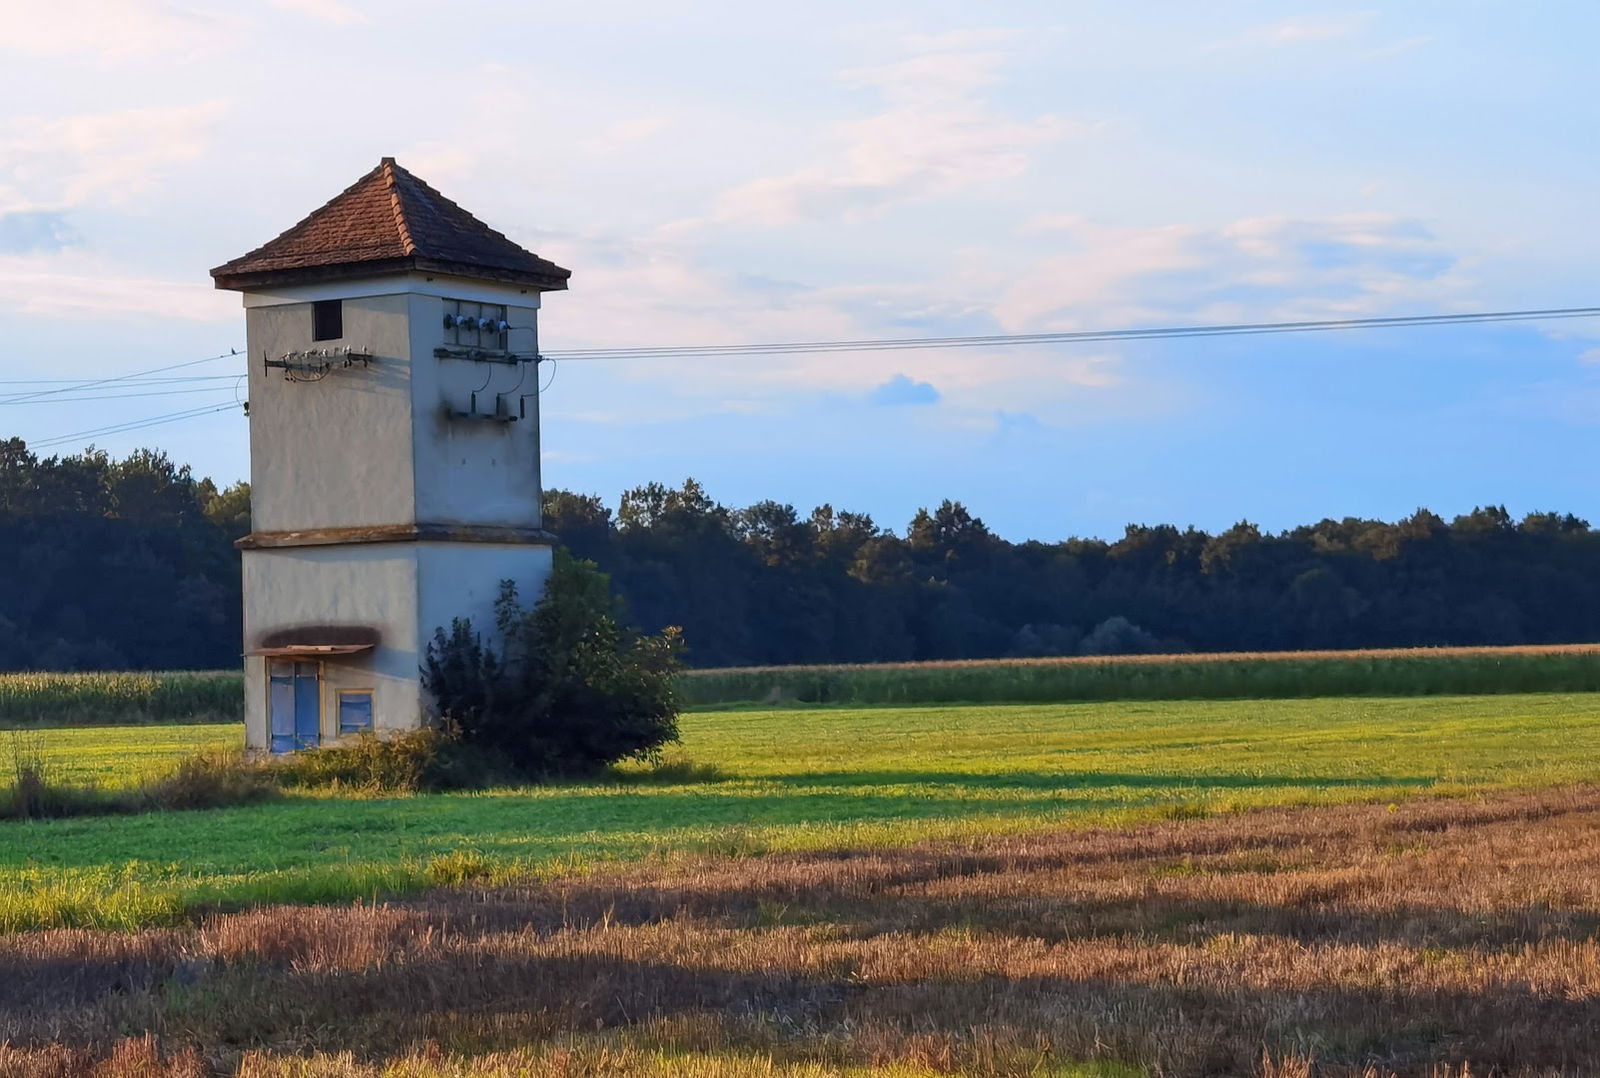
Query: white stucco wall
x=462, y=580
x=374, y=446
x=370, y=584
x=337, y=452
x=475, y=471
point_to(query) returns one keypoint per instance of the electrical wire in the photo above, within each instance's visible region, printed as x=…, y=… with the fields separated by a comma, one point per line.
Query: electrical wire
x=19, y=397
x=137, y=424
x=1077, y=336
x=78, y=383
x=126, y=396
x=814, y=347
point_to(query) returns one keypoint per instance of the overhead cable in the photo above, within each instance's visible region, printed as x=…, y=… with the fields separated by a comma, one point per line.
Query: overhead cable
x=1071, y=337
x=137, y=424
x=18, y=397
x=125, y=396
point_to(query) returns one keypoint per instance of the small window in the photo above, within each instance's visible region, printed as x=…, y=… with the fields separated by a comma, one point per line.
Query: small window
x=355, y=712
x=327, y=319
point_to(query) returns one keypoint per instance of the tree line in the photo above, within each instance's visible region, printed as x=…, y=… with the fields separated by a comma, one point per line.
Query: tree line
x=766, y=585
x=116, y=564
x=110, y=564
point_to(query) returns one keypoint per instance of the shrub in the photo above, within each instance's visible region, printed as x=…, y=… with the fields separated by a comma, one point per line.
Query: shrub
x=572, y=690
x=670, y=769
x=209, y=780
x=1119, y=636
x=35, y=792
x=413, y=760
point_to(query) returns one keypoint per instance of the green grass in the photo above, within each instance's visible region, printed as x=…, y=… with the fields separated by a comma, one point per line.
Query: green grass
x=115, y=757
x=792, y=779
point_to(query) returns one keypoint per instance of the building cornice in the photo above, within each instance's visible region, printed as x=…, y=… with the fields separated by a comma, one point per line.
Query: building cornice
x=398, y=533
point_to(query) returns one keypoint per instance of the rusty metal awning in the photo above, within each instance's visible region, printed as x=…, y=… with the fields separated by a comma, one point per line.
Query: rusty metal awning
x=310, y=650
x=316, y=641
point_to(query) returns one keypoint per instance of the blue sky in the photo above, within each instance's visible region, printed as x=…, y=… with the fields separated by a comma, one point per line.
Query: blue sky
x=858, y=170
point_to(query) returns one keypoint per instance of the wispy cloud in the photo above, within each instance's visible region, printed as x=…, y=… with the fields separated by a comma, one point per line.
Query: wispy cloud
x=1252, y=269
x=1399, y=48
x=51, y=163
x=1306, y=29
x=937, y=136
x=121, y=29
x=78, y=285
x=330, y=11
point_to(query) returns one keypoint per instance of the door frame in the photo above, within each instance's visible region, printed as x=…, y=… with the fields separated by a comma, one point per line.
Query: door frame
x=301, y=734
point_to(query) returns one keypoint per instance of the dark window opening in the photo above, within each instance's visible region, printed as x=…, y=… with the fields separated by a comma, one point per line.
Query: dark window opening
x=327, y=319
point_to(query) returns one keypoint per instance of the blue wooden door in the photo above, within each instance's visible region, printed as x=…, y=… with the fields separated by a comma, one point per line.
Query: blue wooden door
x=294, y=704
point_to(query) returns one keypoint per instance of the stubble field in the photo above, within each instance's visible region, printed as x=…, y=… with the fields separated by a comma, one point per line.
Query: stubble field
x=1433, y=938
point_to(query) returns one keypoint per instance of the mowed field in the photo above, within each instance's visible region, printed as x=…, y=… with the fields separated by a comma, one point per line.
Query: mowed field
x=777, y=782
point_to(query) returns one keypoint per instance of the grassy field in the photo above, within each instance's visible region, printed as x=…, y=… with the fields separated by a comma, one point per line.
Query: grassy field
x=787, y=780
x=113, y=757
x=1430, y=940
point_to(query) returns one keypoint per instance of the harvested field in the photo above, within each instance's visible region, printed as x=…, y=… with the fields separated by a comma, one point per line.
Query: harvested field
x=1419, y=939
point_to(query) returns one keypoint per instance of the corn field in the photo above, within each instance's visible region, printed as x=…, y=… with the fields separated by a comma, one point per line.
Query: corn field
x=45, y=699
x=39, y=699
x=1222, y=676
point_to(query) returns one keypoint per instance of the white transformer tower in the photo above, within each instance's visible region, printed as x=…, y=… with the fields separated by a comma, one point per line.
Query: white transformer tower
x=394, y=451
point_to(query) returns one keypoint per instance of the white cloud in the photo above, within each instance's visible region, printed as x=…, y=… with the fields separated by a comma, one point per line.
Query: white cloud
x=120, y=29
x=1255, y=269
x=77, y=285
x=1399, y=48
x=1299, y=31
x=1591, y=356
x=331, y=11
x=937, y=137
x=106, y=158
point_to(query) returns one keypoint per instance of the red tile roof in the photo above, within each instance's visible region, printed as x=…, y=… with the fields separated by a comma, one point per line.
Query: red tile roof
x=389, y=221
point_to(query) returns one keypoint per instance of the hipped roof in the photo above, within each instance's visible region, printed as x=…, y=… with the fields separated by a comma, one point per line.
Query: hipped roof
x=389, y=221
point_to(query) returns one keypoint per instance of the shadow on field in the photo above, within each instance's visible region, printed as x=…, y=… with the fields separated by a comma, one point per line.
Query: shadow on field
x=494, y=1000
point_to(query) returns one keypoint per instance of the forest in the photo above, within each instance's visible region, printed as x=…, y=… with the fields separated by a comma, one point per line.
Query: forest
x=130, y=564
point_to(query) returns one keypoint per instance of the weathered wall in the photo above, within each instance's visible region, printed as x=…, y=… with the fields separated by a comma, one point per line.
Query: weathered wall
x=371, y=584
x=336, y=452
x=462, y=580
x=475, y=471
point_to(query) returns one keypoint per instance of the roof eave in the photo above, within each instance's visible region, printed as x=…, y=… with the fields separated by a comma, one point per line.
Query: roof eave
x=552, y=280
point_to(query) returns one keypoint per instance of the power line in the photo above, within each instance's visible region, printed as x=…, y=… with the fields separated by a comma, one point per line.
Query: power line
x=125, y=396
x=1077, y=336
x=79, y=383
x=815, y=347
x=137, y=424
x=19, y=397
